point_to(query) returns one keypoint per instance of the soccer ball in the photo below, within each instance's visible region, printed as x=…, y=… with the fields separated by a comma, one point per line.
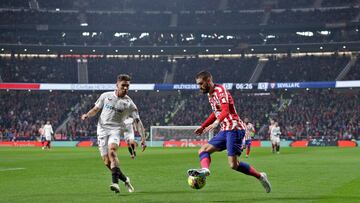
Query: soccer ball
x=197, y=182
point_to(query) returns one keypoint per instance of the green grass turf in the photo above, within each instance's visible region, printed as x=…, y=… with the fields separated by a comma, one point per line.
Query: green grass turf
x=159, y=175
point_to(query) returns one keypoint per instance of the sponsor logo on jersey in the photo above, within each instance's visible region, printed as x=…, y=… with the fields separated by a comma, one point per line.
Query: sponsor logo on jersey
x=108, y=106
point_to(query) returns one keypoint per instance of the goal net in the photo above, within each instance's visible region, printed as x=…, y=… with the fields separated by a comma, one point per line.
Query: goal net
x=177, y=136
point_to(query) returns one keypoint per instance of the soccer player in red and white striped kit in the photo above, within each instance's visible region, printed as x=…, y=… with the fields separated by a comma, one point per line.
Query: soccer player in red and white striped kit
x=231, y=134
x=250, y=131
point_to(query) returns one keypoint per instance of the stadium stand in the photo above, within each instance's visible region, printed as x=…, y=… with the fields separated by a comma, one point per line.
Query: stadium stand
x=242, y=27
x=137, y=69
x=354, y=73
x=228, y=70
x=306, y=114
x=44, y=70
x=307, y=68
x=24, y=112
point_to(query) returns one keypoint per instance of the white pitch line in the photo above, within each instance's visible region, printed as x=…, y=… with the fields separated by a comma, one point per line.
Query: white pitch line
x=11, y=169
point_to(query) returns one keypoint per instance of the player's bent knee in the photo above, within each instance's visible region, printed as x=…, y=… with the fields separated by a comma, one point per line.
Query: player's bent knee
x=113, y=147
x=233, y=163
x=112, y=153
x=202, y=149
x=206, y=148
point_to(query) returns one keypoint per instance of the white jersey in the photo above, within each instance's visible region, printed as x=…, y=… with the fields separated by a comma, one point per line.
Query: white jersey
x=48, y=131
x=275, y=132
x=114, y=111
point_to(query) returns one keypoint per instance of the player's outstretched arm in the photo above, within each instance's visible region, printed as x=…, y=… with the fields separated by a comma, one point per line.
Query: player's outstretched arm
x=205, y=124
x=219, y=119
x=91, y=113
x=140, y=128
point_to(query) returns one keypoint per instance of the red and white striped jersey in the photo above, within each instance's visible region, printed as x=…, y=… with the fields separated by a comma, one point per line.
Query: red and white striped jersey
x=221, y=96
x=250, y=130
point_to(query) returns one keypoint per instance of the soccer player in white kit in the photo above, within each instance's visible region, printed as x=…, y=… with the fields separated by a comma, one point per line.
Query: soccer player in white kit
x=115, y=107
x=48, y=131
x=275, y=137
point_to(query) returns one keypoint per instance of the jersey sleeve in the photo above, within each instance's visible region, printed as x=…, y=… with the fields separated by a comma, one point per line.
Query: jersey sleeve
x=209, y=120
x=222, y=95
x=134, y=110
x=100, y=102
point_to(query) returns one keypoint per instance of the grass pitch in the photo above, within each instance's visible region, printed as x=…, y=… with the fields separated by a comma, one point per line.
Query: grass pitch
x=328, y=174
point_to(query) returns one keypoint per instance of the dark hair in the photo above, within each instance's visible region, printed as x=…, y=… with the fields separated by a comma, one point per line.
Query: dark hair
x=203, y=75
x=123, y=77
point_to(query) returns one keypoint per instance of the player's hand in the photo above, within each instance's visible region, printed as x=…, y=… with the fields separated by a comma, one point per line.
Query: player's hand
x=211, y=127
x=143, y=145
x=199, y=130
x=84, y=117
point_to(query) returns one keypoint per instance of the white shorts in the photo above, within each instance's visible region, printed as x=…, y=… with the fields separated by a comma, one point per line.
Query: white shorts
x=48, y=137
x=105, y=138
x=275, y=140
x=129, y=133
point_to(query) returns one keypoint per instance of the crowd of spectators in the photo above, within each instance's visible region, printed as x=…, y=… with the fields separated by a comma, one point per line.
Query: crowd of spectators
x=141, y=5
x=220, y=18
x=322, y=114
x=300, y=69
x=142, y=70
x=64, y=70
x=334, y=3
x=227, y=69
x=313, y=114
x=184, y=19
x=234, y=70
x=316, y=16
x=141, y=19
x=174, y=5
x=23, y=112
x=38, y=70
x=34, y=17
x=137, y=20
x=14, y=4
x=354, y=73
x=295, y=4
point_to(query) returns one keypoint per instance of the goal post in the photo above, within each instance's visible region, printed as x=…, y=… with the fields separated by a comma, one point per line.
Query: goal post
x=183, y=134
